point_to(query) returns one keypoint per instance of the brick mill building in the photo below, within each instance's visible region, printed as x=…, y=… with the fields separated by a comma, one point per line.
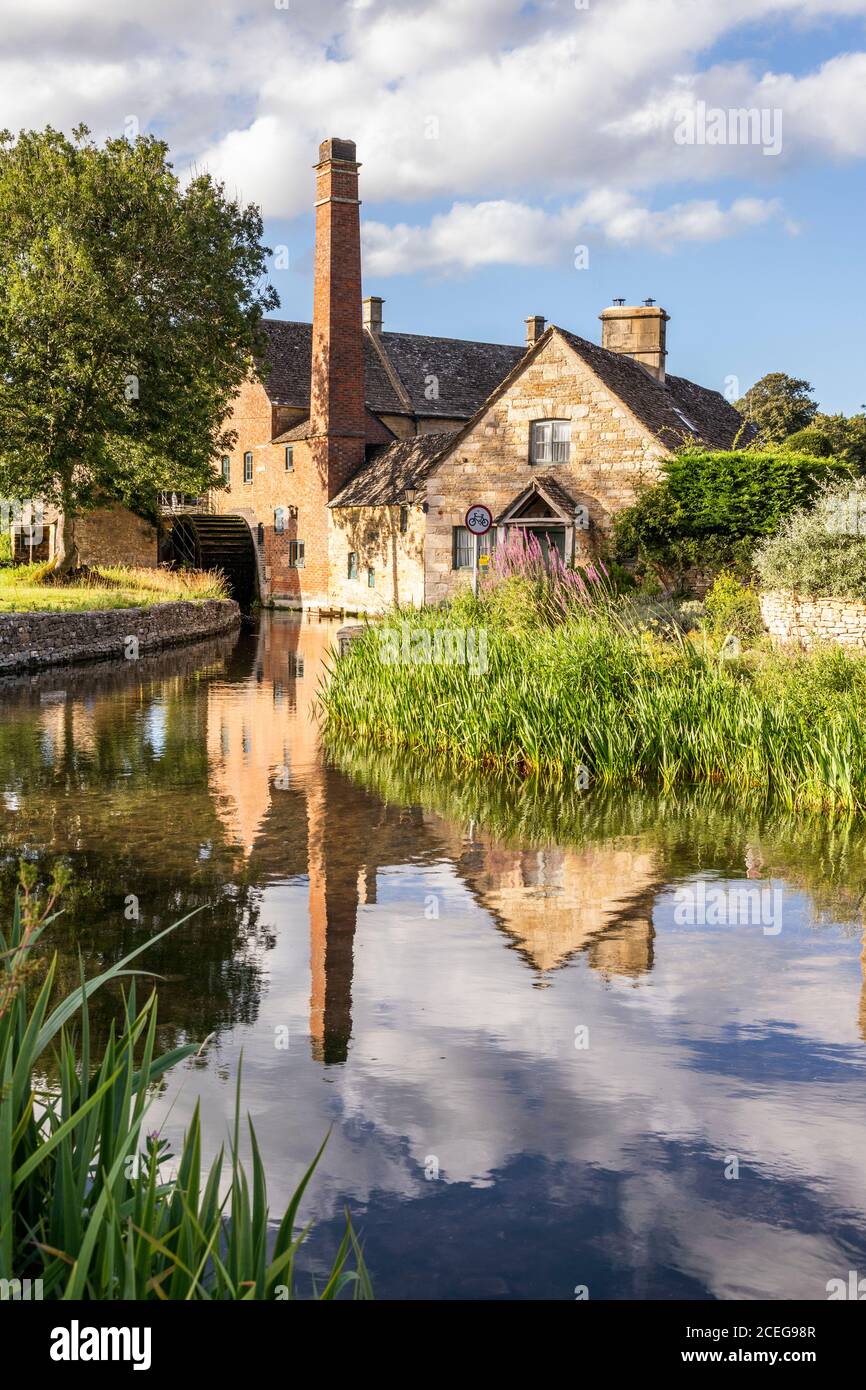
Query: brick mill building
x=359, y=450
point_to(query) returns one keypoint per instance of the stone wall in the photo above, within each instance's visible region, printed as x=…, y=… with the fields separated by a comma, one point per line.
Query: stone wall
x=611, y=453
x=397, y=558
x=793, y=619
x=32, y=640
x=116, y=536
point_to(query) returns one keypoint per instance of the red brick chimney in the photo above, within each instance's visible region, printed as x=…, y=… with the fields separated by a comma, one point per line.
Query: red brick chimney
x=337, y=404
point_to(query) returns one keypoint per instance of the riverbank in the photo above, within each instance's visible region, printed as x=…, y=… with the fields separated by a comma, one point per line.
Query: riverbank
x=30, y=641
x=40, y=589
x=594, y=702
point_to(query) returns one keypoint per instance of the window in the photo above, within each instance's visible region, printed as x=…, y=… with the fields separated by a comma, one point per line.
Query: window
x=280, y=520
x=550, y=441
x=463, y=547
x=404, y=520
x=248, y=468
x=290, y=459
x=296, y=555
x=352, y=570
x=296, y=667
x=371, y=577
x=226, y=468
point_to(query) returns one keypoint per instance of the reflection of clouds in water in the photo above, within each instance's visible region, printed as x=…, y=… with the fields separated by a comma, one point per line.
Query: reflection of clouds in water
x=455, y=1055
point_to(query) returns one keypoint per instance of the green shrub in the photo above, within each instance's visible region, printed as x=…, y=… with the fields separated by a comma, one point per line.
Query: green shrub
x=820, y=551
x=809, y=441
x=710, y=508
x=733, y=609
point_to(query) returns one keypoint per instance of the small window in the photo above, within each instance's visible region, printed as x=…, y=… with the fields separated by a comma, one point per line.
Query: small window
x=463, y=547
x=290, y=459
x=371, y=577
x=226, y=468
x=296, y=666
x=280, y=520
x=248, y=468
x=296, y=555
x=352, y=570
x=404, y=520
x=550, y=441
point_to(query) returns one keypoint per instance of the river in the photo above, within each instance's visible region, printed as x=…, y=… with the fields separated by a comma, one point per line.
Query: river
x=566, y=1045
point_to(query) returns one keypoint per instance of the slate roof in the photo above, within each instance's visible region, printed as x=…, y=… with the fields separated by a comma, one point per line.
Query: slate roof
x=465, y=372
x=285, y=374
x=655, y=405
x=392, y=468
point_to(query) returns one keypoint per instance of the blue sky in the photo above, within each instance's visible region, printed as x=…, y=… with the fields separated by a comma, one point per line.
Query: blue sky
x=497, y=137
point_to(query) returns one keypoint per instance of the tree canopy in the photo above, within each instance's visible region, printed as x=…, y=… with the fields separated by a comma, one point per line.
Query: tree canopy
x=130, y=306
x=778, y=405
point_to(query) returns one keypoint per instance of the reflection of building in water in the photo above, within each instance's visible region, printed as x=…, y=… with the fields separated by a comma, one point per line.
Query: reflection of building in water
x=261, y=735
x=290, y=813
x=556, y=902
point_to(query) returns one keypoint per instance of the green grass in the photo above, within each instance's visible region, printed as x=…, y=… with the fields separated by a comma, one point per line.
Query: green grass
x=91, y=1205
x=36, y=589
x=592, y=701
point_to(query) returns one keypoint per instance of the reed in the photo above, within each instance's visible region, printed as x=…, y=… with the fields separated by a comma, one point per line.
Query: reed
x=595, y=701
x=90, y=1204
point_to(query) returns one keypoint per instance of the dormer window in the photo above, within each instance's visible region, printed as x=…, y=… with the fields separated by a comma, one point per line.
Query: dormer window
x=550, y=442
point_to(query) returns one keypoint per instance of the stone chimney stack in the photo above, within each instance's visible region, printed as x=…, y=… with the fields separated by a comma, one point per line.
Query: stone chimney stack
x=535, y=326
x=637, y=330
x=337, y=395
x=373, y=314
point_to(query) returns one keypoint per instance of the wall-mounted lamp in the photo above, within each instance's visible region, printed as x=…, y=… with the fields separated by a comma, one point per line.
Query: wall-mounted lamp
x=409, y=495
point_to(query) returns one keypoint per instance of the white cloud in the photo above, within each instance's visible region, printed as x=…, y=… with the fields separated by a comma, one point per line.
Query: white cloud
x=505, y=108
x=471, y=235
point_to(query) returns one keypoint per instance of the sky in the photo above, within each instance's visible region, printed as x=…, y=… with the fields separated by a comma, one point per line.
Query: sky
x=540, y=157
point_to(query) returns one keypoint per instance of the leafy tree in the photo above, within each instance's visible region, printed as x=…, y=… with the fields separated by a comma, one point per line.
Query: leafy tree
x=129, y=308
x=846, y=435
x=777, y=405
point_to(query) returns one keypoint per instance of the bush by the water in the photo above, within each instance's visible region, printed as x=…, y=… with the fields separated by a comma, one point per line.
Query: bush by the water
x=710, y=508
x=821, y=550
x=90, y=1204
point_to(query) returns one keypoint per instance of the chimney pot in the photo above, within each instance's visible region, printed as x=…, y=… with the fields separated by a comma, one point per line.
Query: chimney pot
x=535, y=326
x=373, y=313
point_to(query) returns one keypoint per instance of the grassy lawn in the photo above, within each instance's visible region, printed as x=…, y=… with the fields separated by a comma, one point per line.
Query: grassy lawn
x=36, y=589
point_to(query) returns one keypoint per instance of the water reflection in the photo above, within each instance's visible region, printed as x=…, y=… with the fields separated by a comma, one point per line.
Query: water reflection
x=432, y=946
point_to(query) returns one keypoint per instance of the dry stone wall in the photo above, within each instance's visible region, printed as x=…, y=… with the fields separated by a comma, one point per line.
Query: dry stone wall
x=797, y=620
x=29, y=641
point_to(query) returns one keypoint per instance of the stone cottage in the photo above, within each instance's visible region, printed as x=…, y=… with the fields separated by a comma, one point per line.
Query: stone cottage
x=359, y=450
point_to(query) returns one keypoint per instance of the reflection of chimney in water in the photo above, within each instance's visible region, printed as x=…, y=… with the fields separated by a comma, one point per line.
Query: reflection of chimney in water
x=333, y=871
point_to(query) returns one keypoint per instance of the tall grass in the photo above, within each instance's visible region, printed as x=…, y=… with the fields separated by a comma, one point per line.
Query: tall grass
x=593, y=700
x=39, y=588
x=91, y=1204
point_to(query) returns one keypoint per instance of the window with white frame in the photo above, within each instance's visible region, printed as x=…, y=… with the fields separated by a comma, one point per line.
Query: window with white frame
x=463, y=547
x=296, y=555
x=290, y=459
x=550, y=441
x=248, y=467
